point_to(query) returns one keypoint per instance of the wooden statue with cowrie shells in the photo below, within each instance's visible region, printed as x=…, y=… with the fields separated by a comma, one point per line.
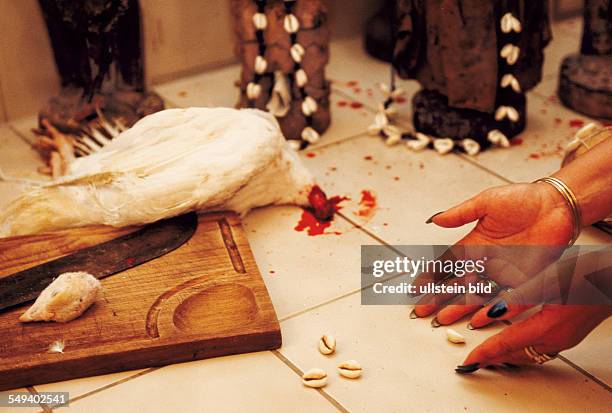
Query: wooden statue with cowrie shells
x=585, y=79
x=475, y=60
x=284, y=47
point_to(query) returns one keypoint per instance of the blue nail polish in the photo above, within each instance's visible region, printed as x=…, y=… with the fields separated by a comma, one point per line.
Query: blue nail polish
x=468, y=368
x=498, y=310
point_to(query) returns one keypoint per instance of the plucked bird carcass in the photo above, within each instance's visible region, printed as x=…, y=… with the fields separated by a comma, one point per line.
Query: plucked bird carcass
x=169, y=163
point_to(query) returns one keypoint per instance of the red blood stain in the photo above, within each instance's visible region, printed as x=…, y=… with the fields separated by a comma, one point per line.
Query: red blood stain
x=400, y=100
x=369, y=92
x=342, y=103
x=558, y=121
x=333, y=168
x=576, y=123
x=534, y=156
x=516, y=141
x=311, y=155
x=368, y=157
x=367, y=204
x=396, y=178
x=385, y=224
x=387, y=166
x=357, y=90
x=320, y=214
x=352, y=83
x=356, y=105
x=421, y=165
x=129, y=261
x=182, y=93
x=272, y=272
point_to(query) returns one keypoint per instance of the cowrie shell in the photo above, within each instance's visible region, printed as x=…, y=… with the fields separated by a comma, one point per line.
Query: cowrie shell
x=253, y=90
x=509, y=80
x=297, y=51
x=301, y=78
x=327, y=344
x=309, y=106
x=291, y=23
x=260, y=21
x=393, y=139
x=510, y=52
x=310, y=135
x=280, y=98
x=351, y=369
x=443, y=145
x=294, y=144
x=454, y=337
x=510, y=23
x=417, y=144
x=506, y=111
x=314, y=378
x=470, y=146
x=381, y=120
x=422, y=137
x=497, y=137
x=260, y=65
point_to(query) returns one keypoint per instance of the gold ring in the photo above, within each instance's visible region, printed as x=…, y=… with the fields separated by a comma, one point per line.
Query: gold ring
x=538, y=357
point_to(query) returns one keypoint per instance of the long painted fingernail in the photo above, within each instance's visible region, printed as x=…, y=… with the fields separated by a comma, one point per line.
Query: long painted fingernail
x=430, y=219
x=498, y=310
x=413, y=315
x=468, y=368
x=435, y=323
x=470, y=327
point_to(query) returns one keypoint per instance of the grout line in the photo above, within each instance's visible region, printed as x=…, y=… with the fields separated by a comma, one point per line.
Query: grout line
x=353, y=98
x=113, y=384
x=299, y=372
x=482, y=167
x=45, y=408
x=584, y=372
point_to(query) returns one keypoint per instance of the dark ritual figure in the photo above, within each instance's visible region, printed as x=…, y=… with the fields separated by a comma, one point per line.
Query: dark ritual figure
x=284, y=47
x=585, y=79
x=98, y=52
x=475, y=59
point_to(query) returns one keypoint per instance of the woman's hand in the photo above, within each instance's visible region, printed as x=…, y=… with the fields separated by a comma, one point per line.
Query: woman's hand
x=553, y=329
x=511, y=215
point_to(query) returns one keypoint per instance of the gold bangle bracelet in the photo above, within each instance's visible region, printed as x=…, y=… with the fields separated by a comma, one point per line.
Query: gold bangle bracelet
x=572, y=202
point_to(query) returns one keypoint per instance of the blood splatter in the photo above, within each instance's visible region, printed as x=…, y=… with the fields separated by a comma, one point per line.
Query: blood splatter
x=352, y=83
x=576, y=123
x=357, y=90
x=129, y=261
x=368, y=158
x=311, y=155
x=320, y=214
x=356, y=105
x=516, y=141
x=342, y=103
x=400, y=100
x=182, y=93
x=367, y=204
x=558, y=121
x=534, y=156
x=272, y=272
x=421, y=165
x=396, y=178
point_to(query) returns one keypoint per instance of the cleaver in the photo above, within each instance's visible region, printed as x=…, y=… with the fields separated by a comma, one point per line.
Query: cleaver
x=128, y=251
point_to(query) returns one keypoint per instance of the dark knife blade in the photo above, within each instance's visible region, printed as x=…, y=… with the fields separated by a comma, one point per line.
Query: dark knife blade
x=102, y=260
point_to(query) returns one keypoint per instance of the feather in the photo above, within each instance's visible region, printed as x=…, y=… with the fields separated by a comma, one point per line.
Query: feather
x=169, y=163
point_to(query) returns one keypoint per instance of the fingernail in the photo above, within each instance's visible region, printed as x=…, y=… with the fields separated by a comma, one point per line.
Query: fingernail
x=470, y=327
x=435, y=323
x=498, y=310
x=468, y=368
x=430, y=219
x=510, y=365
x=413, y=315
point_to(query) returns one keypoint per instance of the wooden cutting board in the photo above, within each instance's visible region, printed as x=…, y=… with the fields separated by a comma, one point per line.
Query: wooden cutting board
x=204, y=299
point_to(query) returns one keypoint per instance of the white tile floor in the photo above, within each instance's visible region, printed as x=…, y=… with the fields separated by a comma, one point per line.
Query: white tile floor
x=314, y=281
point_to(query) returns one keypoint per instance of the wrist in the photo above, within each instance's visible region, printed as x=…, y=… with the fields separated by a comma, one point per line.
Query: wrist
x=557, y=206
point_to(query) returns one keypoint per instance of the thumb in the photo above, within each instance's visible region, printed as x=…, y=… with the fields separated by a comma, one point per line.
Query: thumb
x=464, y=213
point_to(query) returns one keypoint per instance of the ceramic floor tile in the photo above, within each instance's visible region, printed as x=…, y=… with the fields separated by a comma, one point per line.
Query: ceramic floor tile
x=408, y=366
x=17, y=158
x=79, y=387
x=17, y=409
x=249, y=382
x=567, y=36
x=538, y=151
x=301, y=271
x=409, y=187
x=593, y=354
